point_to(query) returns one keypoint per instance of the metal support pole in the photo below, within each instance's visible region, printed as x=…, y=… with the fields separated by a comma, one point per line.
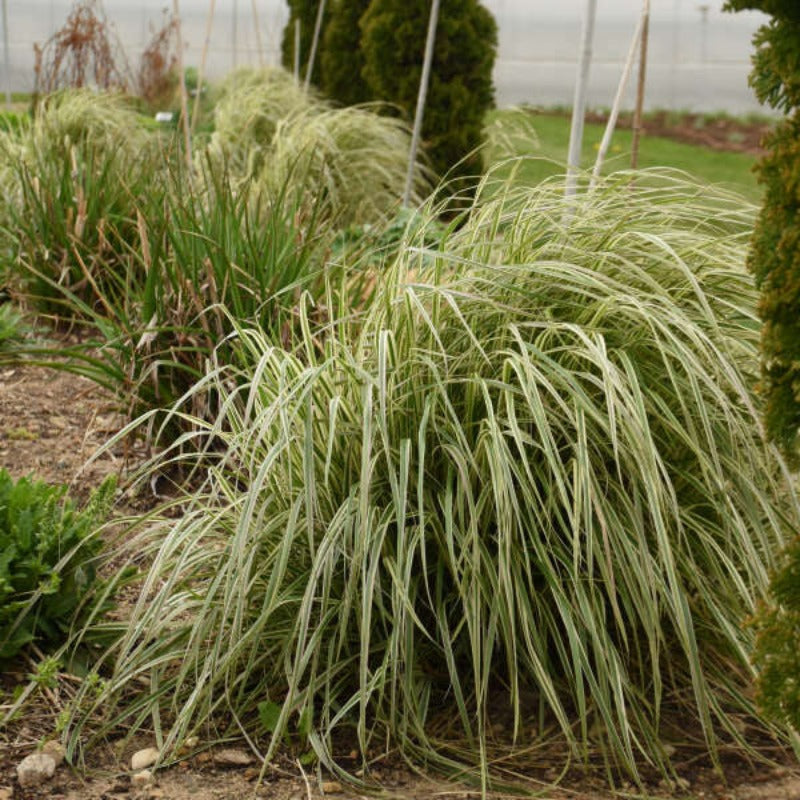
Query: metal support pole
x=314, y=43
x=6, y=54
x=639, y=113
x=184, y=94
x=579, y=101
x=235, y=34
x=201, y=71
x=612, y=117
x=422, y=97
x=259, y=43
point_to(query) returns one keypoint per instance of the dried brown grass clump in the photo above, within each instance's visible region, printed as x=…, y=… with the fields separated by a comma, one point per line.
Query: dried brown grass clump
x=86, y=53
x=156, y=78
x=81, y=54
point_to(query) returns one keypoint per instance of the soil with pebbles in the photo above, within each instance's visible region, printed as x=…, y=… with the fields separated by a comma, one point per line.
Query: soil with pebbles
x=51, y=425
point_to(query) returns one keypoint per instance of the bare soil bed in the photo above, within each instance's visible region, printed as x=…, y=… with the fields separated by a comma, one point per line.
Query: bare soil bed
x=51, y=424
x=728, y=134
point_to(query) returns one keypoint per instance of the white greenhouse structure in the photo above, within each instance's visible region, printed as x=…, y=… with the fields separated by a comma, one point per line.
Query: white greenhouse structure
x=699, y=55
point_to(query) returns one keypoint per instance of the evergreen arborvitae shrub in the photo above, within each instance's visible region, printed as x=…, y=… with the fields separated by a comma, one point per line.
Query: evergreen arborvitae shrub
x=775, y=254
x=341, y=60
x=306, y=12
x=777, y=653
x=461, y=89
x=775, y=261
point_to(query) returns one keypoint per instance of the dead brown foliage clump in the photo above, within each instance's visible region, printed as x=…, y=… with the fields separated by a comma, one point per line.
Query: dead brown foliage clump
x=81, y=54
x=86, y=52
x=156, y=75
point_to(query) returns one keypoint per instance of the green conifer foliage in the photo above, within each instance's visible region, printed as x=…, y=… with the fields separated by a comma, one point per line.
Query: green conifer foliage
x=341, y=59
x=306, y=12
x=777, y=654
x=775, y=254
x=461, y=89
x=775, y=261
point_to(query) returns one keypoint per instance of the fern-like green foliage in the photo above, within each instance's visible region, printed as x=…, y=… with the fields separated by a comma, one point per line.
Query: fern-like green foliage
x=775, y=254
x=341, y=59
x=304, y=11
x=47, y=555
x=777, y=653
x=461, y=89
x=12, y=327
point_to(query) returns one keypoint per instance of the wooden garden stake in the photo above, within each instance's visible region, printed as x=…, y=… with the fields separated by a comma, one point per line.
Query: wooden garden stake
x=422, y=97
x=639, y=113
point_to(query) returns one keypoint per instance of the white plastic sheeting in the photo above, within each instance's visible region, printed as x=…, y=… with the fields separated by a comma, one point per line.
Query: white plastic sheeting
x=699, y=56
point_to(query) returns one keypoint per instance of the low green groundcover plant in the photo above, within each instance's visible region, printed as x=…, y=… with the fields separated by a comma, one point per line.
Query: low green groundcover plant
x=48, y=557
x=528, y=484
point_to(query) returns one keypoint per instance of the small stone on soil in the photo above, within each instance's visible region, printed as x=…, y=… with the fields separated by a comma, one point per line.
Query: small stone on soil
x=143, y=778
x=189, y=745
x=232, y=758
x=35, y=769
x=55, y=750
x=142, y=759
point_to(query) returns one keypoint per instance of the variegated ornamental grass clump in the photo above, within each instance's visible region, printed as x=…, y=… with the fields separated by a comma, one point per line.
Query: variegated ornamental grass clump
x=270, y=133
x=249, y=106
x=528, y=484
x=354, y=159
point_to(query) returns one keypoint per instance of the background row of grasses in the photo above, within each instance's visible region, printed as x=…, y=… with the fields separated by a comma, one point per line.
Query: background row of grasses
x=494, y=458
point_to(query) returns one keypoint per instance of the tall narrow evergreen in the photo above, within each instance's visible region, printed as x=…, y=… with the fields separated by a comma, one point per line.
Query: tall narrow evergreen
x=775, y=254
x=461, y=89
x=306, y=12
x=342, y=59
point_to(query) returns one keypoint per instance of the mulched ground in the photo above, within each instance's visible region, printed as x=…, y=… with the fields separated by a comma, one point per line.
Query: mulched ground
x=52, y=423
x=729, y=134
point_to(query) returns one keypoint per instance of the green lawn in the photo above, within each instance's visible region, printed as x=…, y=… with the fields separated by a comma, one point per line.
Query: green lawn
x=518, y=132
